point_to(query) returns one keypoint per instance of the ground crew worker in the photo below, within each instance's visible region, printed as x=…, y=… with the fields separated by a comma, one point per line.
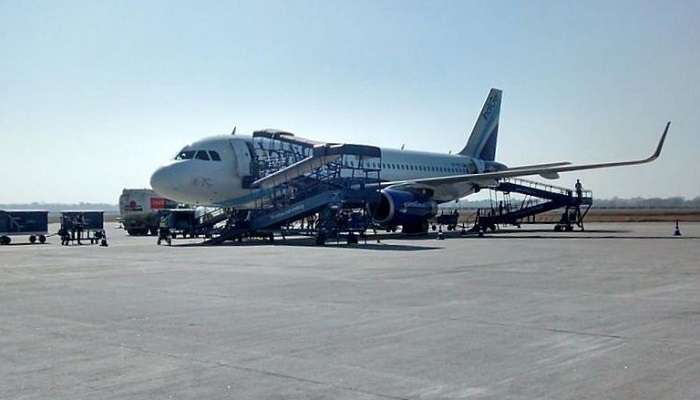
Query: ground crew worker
x=579, y=189
x=500, y=208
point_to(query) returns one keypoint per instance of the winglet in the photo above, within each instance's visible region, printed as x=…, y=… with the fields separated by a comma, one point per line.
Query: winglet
x=661, y=143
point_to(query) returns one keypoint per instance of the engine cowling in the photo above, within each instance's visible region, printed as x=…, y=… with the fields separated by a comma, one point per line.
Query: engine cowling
x=411, y=210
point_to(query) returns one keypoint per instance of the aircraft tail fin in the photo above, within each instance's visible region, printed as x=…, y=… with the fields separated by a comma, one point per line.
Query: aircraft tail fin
x=484, y=137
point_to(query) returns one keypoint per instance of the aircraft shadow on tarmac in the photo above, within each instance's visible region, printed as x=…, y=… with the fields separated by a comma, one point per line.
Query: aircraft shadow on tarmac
x=372, y=243
x=20, y=244
x=310, y=242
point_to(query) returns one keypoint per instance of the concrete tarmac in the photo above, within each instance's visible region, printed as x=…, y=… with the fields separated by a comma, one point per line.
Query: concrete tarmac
x=610, y=313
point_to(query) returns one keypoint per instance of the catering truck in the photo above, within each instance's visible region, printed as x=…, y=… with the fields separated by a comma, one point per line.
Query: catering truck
x=139, y=210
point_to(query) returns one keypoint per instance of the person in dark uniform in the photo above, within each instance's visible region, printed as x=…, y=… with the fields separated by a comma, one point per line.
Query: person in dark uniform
x=500, y=208
x=579, y=189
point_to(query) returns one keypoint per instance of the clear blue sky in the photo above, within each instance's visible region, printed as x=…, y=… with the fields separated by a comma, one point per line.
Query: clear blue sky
x=94, y=95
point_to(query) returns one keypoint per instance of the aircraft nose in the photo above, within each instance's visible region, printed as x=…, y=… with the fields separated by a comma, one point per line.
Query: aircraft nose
x=164, y=181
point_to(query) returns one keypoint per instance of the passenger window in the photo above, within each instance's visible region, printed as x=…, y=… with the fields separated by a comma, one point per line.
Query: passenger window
x=202, y=155
x=214, y=155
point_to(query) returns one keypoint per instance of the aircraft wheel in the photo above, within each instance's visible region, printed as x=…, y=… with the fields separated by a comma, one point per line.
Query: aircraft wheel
x=5, y=240
x=32, y=239
x=42, y=239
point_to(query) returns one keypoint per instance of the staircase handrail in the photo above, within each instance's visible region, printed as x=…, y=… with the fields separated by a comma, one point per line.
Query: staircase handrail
x=547, y=187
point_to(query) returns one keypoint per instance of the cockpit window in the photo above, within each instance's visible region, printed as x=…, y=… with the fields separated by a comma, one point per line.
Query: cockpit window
x=185, y=155
x=214, y=155
x=202, y=155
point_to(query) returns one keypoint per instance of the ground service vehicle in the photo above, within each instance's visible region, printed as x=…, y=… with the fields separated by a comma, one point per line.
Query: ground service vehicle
x=139, y=210
x=30, y=223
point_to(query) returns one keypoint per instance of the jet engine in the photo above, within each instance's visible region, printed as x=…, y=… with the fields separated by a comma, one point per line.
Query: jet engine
x=410, y=209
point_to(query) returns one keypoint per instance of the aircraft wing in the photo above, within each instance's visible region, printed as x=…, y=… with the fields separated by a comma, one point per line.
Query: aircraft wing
x=546, y=170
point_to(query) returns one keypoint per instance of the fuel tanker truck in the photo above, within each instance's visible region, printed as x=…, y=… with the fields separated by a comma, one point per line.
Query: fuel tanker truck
x=139, y=210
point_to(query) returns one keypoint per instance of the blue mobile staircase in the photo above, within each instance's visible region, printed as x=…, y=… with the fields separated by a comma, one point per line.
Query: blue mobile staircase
x=539, y=198
x=327, y=186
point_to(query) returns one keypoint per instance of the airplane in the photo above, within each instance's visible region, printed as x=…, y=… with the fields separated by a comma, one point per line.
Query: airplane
x=216, y=172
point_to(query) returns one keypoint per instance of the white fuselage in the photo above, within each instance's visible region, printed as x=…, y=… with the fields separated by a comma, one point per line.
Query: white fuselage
x=211, y=172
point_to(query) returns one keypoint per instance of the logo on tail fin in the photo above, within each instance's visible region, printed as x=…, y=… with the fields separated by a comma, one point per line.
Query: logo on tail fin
x=483, y=139
x=492, y=102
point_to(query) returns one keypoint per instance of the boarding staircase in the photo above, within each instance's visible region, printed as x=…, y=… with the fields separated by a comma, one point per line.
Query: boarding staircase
x=294, y=179
x=209, y=220
x=539, y=198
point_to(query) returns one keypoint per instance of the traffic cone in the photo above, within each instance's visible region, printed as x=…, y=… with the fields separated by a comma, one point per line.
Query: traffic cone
x=678, y=230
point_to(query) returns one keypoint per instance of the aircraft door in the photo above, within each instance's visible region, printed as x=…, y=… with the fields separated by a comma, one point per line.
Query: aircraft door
x=243, y=161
